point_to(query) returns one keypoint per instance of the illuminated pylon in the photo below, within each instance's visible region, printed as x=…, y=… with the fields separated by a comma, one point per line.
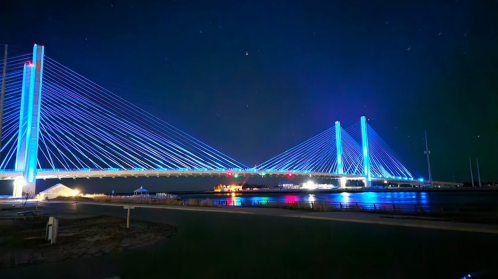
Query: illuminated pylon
x=29, y=124
x=338, y=145
x=365, y=150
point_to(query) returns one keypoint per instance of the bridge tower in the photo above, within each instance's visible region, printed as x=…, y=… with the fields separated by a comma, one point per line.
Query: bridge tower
x=338, y=145
x=29, y=124
x=365, y=151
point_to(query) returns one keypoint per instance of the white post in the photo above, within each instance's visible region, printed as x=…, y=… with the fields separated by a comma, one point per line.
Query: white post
x=128, y=215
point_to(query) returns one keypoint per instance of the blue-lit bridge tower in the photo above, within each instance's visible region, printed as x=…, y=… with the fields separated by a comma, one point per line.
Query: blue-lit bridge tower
x=59, y=124
x=29, y=124
x=79, y=129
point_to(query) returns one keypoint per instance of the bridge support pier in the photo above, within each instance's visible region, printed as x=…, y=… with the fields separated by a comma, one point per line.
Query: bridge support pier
x=29, y=125
x=342, y=182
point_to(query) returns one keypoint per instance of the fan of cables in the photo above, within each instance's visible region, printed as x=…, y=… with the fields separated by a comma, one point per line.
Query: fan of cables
x=319, y=154
x=83, y=126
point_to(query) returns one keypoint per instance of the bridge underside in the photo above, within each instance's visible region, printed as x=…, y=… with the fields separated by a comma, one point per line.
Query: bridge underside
x=68, y=174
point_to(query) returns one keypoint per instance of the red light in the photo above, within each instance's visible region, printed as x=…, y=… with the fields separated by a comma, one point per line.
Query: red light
x=289, y=174
x=30, y=64
x=230, y=174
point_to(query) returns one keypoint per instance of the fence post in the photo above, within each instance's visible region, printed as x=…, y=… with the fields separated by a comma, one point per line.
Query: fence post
x=394, y=207
x=375, y=208
x=340, y=205
x=357, y=207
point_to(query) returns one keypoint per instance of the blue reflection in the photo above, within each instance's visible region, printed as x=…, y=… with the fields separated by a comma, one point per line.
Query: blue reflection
x=369, y=197
x=364, y=197
x=423, y=198
x=344, y=197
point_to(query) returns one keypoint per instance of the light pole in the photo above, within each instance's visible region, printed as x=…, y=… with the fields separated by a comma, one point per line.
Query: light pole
x=471, y=174
x=2, y=94
x=478, y=174
x=427, y=152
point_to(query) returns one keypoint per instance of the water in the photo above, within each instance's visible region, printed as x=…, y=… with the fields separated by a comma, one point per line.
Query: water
x=425, y=198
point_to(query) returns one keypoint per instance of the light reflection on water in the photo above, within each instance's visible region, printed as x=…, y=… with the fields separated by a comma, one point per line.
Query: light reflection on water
x=428, y=198
x=344, y=197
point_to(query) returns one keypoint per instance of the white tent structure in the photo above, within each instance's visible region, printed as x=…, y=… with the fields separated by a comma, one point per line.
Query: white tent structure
x=57, y=190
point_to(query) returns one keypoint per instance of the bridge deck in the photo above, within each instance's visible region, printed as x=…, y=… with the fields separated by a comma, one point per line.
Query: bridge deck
x=60, y=174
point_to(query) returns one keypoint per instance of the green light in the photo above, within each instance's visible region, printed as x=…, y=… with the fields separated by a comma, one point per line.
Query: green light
x=236, y=175
x=262, y=174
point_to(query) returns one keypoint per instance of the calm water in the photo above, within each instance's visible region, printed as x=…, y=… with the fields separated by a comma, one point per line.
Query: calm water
x=429, y=198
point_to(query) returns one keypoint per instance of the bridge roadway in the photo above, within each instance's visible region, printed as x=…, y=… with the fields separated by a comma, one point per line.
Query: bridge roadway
x=91, y=173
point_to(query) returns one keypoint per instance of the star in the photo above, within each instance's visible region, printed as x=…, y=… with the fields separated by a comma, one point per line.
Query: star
x=440, y=33
x=409, y=48
x=247, y=53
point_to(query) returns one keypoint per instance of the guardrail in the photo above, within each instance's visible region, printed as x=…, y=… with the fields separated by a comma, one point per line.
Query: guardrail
x=481, y=211
x=356, y=207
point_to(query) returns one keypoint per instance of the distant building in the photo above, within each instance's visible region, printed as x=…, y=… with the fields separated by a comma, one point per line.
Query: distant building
x=286, y=184
x=227, y=188
x=311, y=185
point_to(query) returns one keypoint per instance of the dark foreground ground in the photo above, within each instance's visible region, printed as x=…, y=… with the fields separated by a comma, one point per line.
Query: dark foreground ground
x=22, y=242
x=224, y=245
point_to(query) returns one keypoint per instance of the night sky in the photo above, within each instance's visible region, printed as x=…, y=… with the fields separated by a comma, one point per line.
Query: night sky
x=254, y=78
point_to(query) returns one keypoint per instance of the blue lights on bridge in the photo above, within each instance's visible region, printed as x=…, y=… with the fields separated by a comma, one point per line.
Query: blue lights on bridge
x=75, y=133
x=338, y=143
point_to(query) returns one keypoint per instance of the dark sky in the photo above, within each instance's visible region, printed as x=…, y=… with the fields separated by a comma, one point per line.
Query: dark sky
x=254, y=78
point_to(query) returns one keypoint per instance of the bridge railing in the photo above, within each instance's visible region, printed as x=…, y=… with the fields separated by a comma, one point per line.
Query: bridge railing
x=469, y=213
x=383, y=208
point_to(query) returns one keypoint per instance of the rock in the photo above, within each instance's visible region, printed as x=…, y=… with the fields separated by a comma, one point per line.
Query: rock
x=22, y=257
x=51, y=255
x=37, y=258
x=126, y=242
x=108, y=248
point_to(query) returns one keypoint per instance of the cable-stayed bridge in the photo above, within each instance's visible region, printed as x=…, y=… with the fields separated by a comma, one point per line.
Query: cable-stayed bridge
x=58, y=124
